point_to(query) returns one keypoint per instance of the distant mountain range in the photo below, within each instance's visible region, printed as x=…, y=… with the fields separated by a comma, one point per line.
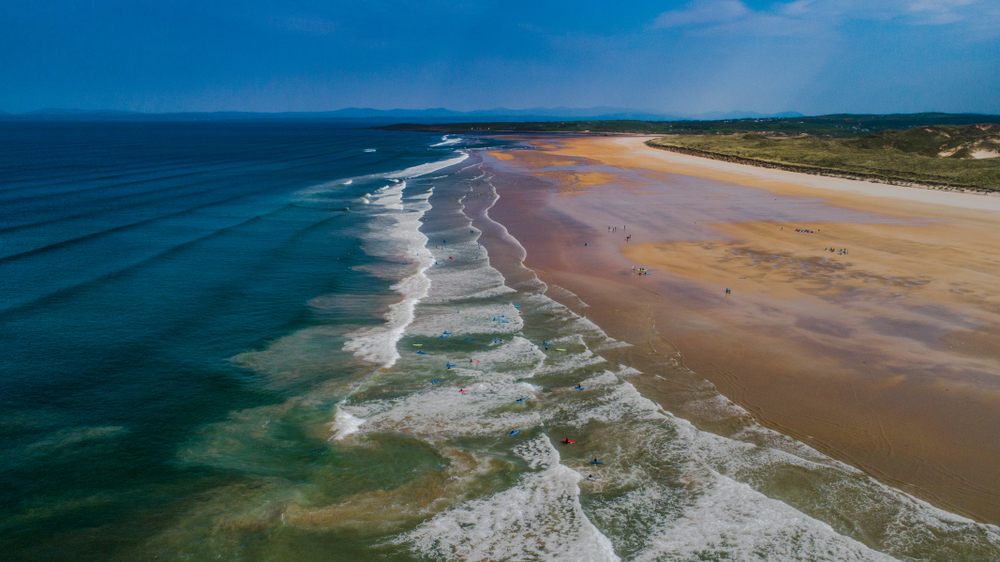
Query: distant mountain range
x=427, y=115
x=547, y=114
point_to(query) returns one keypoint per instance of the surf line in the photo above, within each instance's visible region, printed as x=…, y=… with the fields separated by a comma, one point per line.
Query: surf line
x=378, y=344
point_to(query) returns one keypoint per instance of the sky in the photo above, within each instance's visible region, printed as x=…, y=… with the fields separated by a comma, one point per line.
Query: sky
x=811, y=56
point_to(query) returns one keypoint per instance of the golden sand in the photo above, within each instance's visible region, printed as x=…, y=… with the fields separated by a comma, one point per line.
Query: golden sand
x=575, y=182
x=935, y=262
x=502, y=156
x=886, y=357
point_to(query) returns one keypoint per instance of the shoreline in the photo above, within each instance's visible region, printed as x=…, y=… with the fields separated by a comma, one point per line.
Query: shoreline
x=865, y=416
x=700, y=166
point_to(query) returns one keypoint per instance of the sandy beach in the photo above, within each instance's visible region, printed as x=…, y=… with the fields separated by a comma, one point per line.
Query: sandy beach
x=862, y=319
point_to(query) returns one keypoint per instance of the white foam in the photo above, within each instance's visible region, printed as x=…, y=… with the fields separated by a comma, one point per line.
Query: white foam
x=443, y=411
x=378, y=344
x=538, y=519
x=414, y=171
x=345, y=424
x=469, y=281
x=517, y=357
x=424, y=169
x=622, y=403
x=390, y=196
x=603, y=380
x=464, y=320
x=731, y=520
x=445, y=141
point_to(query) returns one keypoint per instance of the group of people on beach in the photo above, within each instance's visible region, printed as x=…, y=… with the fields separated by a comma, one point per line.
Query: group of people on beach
x=840, y=251
x=614, y=229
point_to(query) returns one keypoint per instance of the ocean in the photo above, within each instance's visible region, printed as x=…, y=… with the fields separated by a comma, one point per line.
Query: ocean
x=284, y=340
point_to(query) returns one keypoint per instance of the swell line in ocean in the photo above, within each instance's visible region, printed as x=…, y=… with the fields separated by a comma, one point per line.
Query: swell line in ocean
x=408, y=390
x=511, y=431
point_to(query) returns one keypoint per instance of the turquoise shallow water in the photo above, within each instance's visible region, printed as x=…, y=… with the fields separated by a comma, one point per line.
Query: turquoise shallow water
x=253, y=372
x=135, y=261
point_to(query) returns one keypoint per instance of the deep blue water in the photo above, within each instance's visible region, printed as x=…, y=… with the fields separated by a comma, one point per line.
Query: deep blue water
x=135, y=260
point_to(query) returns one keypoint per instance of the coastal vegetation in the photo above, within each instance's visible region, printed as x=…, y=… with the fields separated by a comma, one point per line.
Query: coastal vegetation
x=934, y=149
x=960, y=157
x=823, y=126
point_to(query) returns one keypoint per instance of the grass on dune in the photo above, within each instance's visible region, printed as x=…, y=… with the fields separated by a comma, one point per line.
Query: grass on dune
x=937, y=156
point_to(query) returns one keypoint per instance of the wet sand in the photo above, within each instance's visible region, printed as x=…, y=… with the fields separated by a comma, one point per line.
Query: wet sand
x=886, y=357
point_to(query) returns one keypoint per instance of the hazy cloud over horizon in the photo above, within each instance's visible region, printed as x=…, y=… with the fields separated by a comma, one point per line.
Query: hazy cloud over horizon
x=812, y=56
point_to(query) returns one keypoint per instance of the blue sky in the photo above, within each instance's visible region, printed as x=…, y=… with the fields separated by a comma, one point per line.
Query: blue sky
x=813, y=56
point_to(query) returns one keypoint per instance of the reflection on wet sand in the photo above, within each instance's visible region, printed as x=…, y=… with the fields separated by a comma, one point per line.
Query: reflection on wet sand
x=866, y=334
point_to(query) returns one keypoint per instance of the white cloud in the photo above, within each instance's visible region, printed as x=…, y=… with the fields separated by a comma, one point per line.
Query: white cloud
x=797, y=8
x=940, y=12
x=804, y=17
x=939, y=5
x=705, y=12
